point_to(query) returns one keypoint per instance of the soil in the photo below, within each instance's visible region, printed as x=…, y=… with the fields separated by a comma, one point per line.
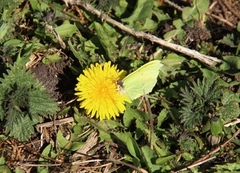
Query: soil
x=56, y=78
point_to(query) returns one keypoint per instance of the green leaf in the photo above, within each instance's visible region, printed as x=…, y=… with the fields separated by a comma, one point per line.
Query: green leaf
x=121, y=8
x=105, y=127
x=238, y=27
x=149, y=25
x=104, y=136
x=76, y=130
x=66, y=29
x=141, y=126
x=41, y=103
x=14, y=42
x=131, y=114
x=21, y=128
x=187, y=156
x=81, y=55
x=190, y=13
x=109, y=124
x=231, y=64
x=210, y=75
x=206, y=127
x=228, y=40
x=51, y=59
x=107, y=37
x=65, y=110
x=35, y=5
x=201, y=5
x=178, y=23
x=163, y=160
x=230, y=108
x=3, y=30
x=92, y=45
x=47, y=152
x=229, y=167
x=193, y=13
x=173, y=59
x=3, y=167
x=162, y=116
x=149, y=156
x=142, y=11
x=178, y=33
x=76, y=145
x=17, y=170
x=229, y=96
x=216, y=127
x=131, y=144
x=61, y=140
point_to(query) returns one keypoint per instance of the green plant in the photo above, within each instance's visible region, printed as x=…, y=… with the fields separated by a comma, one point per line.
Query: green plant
x=199, y=100
x=3, y=166
x=23, y=102
x=229, y=167
x=206, y=106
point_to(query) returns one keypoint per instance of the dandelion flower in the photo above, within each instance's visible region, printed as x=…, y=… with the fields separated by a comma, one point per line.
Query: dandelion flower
x=98, y=93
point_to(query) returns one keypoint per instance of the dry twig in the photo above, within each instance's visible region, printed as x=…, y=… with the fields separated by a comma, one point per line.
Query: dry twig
x=208, y=156
x=189, y=52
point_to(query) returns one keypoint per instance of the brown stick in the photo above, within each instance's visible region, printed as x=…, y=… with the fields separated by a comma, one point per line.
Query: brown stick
x=209, y=60
x=208, y=156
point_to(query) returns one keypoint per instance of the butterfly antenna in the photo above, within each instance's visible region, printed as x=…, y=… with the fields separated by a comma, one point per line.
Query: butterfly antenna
x=151, y=120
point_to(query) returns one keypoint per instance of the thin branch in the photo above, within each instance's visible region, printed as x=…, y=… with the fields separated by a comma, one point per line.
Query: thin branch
x=196, y=164
x=173, y=5
x=38, y=165
x=57, y=122
x=141, y=170
x=221, y=146
x=209, y=60
x=237, y=121
x=208, y=156
x=221, y=20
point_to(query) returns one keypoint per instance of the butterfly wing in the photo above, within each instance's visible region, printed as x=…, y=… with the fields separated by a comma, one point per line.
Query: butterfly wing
x=142, y=80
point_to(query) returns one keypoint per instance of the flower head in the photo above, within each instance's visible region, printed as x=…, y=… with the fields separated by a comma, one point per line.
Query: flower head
x=97, y=89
